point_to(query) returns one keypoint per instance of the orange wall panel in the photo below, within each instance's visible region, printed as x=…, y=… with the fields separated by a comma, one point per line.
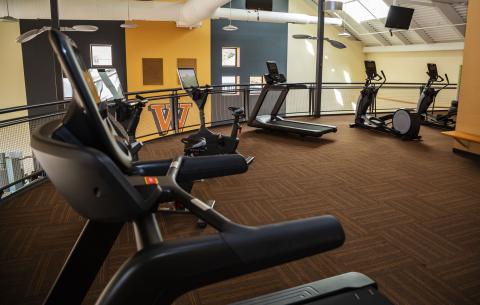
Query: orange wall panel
x=158, y=39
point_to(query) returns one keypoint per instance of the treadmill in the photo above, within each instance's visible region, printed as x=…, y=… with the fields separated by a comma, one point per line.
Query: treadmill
x=276, y=82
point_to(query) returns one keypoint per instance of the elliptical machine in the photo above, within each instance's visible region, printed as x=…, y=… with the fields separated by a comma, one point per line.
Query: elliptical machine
x=216, y=143
x=402, y=123
x=427, y=99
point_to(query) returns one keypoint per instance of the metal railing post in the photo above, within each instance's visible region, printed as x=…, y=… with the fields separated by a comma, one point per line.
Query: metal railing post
x=174, y=108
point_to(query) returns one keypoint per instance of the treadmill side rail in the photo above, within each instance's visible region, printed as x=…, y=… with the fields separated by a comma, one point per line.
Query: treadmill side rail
x=342, y=285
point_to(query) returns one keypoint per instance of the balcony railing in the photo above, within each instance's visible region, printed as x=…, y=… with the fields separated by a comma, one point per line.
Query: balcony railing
x=171, y=111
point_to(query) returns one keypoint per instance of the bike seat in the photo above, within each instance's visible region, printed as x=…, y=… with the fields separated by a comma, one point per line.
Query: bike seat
x=194, y=144
x=236, y=110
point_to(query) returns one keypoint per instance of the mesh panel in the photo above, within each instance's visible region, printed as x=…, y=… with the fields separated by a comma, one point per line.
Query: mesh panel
x=17, y=162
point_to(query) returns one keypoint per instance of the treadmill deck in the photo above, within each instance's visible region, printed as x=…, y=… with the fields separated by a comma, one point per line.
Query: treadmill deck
x=297, y=127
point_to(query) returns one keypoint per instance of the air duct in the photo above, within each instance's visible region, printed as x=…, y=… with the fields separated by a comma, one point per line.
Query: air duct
x=186, y=14
x=189, y=14
x=272, y=17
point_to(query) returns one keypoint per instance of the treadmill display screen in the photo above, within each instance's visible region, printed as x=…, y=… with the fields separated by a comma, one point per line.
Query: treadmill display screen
x=370, y=68
x=432, y=71
x=188, y=78
x=107, y=83
x=272, y=67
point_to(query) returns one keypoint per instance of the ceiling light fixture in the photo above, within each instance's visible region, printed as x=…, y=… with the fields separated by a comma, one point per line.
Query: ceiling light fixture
x=230, y=27
x=127, y=24
x=344, y=33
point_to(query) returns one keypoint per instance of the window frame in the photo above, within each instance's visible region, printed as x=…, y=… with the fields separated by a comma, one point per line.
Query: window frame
x=92, y=65
x=225, y=87
x=237, y=57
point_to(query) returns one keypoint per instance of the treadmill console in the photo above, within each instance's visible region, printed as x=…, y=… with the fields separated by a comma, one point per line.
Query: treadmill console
x=432, y=71
x=273, y=76
x=370, y=69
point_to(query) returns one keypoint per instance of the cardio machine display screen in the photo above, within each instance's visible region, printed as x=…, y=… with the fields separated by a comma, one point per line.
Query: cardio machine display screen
x=272, y=67
x=432, y=71
x=370, y=68
x=107, y=83
x=188, y=78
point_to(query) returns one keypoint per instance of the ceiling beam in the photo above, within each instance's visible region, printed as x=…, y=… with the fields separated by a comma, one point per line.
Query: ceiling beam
x=422, y=33
x=449, y=46
x=451, y=14
x=362, y=28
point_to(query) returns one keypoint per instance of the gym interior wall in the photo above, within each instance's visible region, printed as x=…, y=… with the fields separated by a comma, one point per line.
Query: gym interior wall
x=12, y=81
x=468, y=118
x=169, y=43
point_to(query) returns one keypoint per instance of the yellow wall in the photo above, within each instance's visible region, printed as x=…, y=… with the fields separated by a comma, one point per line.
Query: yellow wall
x=12, y=81
x=156, y=39
x=344, y=65
x=411, y=67
x=468, y=119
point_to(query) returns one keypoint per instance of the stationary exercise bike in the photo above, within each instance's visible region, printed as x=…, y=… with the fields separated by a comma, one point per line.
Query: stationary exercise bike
x=427, y=98
x=402, y=123
x=216, y=143
x=125, y=118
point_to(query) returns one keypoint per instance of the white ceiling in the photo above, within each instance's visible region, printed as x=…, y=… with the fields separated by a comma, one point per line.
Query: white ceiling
x=428, y=13
x=438, y=16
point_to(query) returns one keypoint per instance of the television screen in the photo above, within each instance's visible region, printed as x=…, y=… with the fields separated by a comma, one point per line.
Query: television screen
x=107, y=83
x=188, y=78
x=399, y=17
x=261, y=5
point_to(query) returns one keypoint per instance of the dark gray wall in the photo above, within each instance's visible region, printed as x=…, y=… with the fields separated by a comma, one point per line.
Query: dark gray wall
x=258, y=42
x=38, y=58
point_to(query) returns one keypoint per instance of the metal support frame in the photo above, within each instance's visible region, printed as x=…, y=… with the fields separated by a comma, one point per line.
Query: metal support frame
x=83, y=263
x=319, y=63
x=174, y=109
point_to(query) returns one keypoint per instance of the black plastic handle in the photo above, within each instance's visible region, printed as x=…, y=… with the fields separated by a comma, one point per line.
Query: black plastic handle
x=282, y=242
x=194, y=168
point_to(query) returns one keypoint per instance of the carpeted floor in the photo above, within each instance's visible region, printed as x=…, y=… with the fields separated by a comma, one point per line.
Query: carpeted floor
x=411, y=211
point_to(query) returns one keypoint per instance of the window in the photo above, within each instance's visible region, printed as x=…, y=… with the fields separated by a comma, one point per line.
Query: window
x=364, y=10
x=256, y=84
x=101, y=55
x=230, y=57
x=67, y=89
x=230, y=80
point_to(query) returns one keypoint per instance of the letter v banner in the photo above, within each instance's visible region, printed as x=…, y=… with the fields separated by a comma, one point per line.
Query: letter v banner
x=162, y=116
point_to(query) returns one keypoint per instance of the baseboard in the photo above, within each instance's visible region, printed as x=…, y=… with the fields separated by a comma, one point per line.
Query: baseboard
x=466, y=154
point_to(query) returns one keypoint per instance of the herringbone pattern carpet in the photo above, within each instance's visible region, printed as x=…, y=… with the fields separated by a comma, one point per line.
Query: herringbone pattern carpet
x=411, y=212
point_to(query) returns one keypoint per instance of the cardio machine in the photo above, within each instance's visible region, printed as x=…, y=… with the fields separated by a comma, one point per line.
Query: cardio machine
x=402, y=123
x=216, y=143
x=125, y=120
x=110, y=190
x=427, y=98
x=276, y=82
x=124, y=114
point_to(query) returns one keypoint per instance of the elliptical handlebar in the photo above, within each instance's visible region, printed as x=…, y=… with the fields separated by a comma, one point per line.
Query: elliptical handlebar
x=141, y=99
